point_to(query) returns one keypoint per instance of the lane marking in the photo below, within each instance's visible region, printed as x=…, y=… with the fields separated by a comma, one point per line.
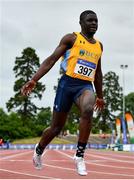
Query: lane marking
x=87, y=161
x=15, y=155
x=19, y=154
x=27, y=174
x=98, y=172
x=59, y=167
x=52, y=160
x=109, y=154
x=8, y=152
x=107, y=158
x=61, y=152
x=71, y=169
x=119, y=167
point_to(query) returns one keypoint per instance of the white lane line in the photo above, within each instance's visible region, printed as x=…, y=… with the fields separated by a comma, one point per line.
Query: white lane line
x=52, y=160
x=98, y=172
x=18, y=160
x=15, y=155
x=67, y=155
x=8, y=158
x=116, y=167
x=59, y=167
x=107, y=158
x=71, y=169
x=27, y=174
x=8, y=152
x=88, y=162
x=109, y=154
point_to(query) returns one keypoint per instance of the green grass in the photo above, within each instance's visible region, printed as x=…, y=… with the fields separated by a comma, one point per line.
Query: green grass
x=36, y=140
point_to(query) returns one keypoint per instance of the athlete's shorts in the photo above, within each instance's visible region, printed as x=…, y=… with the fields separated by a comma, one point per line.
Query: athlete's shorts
x=69, y=89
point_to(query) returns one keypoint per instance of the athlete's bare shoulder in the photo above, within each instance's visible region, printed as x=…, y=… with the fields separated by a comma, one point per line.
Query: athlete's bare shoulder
x=101, y=45
x=70, y=36
x=69, y=39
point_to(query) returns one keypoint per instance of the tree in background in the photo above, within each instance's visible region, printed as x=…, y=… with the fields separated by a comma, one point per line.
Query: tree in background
x=3, y=124
x=45, y=112
x=25, y=67
x=43, y=120
x=72, y=122
x=129, y=102
x=11, y=126
x=113, y=98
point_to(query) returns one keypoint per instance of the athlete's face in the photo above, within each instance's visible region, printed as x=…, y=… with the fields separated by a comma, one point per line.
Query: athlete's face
x=90, y=23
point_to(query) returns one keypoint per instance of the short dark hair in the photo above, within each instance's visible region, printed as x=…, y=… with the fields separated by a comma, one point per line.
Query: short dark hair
x=85, y=13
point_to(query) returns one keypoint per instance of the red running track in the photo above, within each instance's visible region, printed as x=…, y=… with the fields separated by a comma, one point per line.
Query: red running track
x=58, y=164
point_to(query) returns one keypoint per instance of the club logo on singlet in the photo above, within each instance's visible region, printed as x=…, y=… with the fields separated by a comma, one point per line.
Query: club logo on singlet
x=88, y=54
x=82, y=52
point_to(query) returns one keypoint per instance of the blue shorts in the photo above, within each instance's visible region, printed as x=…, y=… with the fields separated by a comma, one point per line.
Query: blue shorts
x=69, y=89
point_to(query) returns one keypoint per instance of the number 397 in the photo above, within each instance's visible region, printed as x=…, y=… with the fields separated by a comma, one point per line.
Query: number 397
x=85, y=71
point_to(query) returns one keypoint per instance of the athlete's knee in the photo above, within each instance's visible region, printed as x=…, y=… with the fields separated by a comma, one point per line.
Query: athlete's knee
x=87, y=112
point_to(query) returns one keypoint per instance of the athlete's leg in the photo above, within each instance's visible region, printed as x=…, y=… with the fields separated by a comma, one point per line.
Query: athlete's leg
x=58, y=122
x=62, y=105
x=85, y=103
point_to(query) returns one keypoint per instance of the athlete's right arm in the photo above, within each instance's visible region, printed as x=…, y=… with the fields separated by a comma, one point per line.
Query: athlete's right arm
x=66, y=43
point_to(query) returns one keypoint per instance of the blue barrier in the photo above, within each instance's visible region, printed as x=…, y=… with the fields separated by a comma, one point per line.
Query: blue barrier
x=51, y=146
x=121, y=147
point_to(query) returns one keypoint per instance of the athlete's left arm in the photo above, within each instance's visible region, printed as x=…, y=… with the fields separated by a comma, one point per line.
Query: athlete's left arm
x=98, y=86
x=98, y=80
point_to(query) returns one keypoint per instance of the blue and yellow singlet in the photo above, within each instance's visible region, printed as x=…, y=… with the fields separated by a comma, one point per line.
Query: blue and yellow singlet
x=81, y=60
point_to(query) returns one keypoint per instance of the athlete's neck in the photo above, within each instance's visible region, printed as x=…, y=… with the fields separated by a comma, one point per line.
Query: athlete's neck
x=89, y=37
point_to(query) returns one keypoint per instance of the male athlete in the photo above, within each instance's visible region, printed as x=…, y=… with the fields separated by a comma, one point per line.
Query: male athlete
x=81, y=63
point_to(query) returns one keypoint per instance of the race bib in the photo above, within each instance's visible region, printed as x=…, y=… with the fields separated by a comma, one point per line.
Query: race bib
x=85, y=68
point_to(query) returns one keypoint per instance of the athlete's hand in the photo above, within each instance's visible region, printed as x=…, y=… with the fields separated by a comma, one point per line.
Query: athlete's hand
x=99, y=104
x=28, y=87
